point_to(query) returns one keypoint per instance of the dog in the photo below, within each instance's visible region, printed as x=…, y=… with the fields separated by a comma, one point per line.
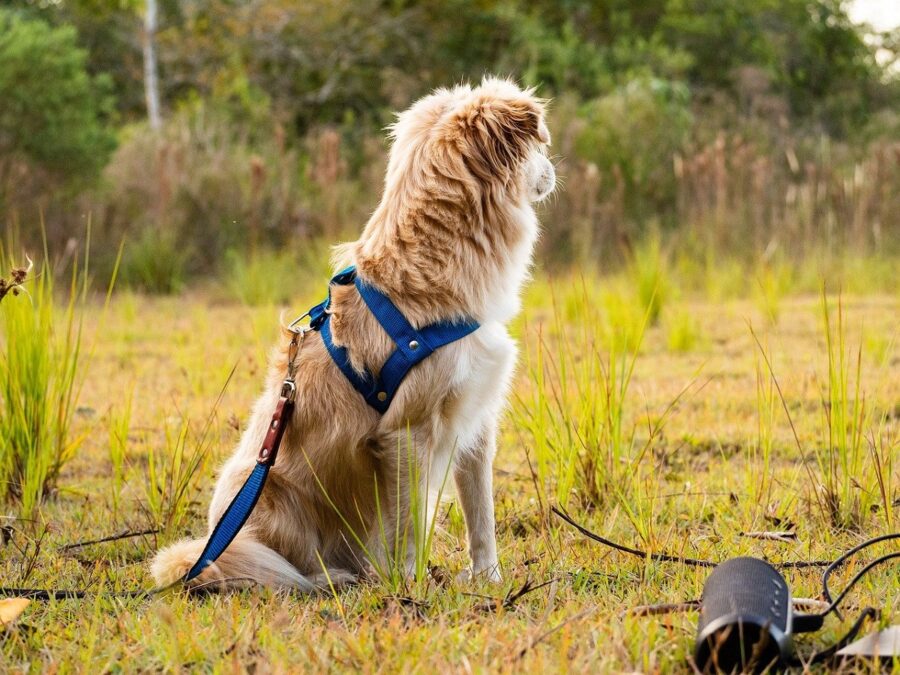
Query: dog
x=451, y=239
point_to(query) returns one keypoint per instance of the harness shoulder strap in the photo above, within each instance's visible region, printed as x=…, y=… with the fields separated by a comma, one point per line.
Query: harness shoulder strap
x=362, y=382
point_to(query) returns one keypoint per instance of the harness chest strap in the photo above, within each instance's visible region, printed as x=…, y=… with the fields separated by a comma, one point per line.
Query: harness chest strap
x=411, y=346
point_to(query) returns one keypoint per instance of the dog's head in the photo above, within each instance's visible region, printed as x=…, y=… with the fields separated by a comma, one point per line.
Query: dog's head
x=491, y=137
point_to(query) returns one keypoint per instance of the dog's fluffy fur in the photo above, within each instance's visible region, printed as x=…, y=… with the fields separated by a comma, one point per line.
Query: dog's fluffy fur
x=451, y=238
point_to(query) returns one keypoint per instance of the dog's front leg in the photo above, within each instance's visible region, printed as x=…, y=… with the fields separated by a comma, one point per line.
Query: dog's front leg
x=473, y=474
x=392, y=542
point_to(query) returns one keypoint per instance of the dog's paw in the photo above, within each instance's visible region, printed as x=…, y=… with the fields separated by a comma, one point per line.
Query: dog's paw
x=334, y=580
x=491, y=574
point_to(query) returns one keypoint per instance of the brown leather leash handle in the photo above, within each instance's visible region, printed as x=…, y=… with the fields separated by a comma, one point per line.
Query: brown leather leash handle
x=277, y=427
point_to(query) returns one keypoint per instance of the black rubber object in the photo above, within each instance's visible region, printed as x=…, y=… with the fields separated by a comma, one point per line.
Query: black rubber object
x=745, y=618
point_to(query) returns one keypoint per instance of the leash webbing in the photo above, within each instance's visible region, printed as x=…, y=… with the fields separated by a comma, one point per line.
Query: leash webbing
x=243, y=503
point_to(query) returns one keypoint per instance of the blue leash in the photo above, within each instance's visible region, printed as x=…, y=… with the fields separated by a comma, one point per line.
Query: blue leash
x=378, y=390
x=244, y=501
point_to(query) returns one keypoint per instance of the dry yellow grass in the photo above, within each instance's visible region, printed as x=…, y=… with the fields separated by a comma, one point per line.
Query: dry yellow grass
x=700, y=485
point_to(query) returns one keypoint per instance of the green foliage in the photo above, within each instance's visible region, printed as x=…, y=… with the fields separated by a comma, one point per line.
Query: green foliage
x=631, y=135
x=199, y=187
x=39, y=385
x=754, y=121
x=318, y=62
x=322, y=60
x=155, y=262
x=809, y=52
x=54, y=113
x=556, y=61
x=261, y=277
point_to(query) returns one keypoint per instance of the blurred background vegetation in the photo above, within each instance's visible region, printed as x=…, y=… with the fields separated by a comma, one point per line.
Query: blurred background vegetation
x=218, y=138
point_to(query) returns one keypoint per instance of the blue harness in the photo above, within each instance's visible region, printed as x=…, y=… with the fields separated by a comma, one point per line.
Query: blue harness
x=412, y=346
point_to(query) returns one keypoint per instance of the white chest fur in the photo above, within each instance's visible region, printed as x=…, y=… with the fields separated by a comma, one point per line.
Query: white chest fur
x=483, y=370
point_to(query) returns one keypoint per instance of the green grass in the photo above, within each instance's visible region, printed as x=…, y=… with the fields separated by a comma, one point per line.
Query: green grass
x=263, y=277
x=663, y=448
x=39, y=385
x=573, y=420
x=845, y=490
x=648, y=268
x=394, y=534
x=119, y=429
x=258, y=277
x=683, y=331
x=174, y=470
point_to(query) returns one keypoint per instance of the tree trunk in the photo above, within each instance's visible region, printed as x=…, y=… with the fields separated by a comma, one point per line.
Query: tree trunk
x=151, y=79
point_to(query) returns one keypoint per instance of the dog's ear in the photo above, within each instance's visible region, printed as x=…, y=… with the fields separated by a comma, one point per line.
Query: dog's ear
x=498, y=129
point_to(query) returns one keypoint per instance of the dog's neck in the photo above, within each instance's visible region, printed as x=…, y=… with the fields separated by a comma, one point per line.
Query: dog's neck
x=437, y=262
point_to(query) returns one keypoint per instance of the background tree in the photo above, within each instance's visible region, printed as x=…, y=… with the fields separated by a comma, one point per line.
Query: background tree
x=53, y=119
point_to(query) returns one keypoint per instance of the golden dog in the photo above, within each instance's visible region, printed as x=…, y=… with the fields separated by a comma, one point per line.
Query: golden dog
x=452, y=238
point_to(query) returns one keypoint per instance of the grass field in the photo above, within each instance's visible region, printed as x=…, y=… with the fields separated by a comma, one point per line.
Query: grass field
x=667, y=435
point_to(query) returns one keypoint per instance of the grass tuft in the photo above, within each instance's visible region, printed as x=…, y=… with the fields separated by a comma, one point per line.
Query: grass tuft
x=172, y=478
x=260, y=277
x=842, y=453
x=574, y=415
x=119, y=428
x=649, y=272
x=683, y=332
x=39, y=384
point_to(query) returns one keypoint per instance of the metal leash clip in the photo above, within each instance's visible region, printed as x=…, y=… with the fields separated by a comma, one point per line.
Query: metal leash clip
x=289, y=385
x=293, y=328
x=289, y=390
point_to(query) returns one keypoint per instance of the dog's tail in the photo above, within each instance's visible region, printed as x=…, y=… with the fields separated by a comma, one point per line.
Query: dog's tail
x=245, y=561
